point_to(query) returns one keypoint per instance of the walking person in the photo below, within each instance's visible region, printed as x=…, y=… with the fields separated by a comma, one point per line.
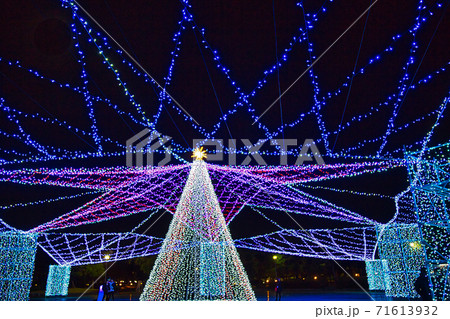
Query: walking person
x=422, y=285
x=110, y=289
x=101, y=293
x=278, y=290
x=105, y=291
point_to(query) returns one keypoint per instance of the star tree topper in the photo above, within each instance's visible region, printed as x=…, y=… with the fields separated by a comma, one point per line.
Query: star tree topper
x=199, y=154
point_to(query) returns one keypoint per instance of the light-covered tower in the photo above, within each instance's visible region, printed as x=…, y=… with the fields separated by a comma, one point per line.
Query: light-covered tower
x=198, y=260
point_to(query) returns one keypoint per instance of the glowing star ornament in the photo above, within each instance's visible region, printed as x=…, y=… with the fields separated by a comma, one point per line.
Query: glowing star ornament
x=199, y=154
x=198, y=259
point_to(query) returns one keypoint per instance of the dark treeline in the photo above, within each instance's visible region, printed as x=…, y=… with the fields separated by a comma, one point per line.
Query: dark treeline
x=262, y=270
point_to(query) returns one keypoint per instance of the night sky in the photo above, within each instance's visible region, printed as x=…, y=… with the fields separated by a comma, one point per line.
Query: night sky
x=249, y=36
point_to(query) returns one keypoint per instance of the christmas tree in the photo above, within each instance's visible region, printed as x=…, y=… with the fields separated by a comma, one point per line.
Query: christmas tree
x=198, y=259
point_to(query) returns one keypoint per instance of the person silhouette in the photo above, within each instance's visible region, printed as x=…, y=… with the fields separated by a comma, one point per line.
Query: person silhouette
x=422, y=285
x=278, y=289
x=110, y=289
x=101, y=293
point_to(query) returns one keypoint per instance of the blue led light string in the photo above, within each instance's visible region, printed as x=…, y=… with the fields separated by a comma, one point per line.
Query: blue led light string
x=11, y=152
x=161, y=95
x=413, y=30
x=371, y=61
x=356, y=243
x=436, y=123
x=278, y=69
x=189, y=18
x=110, y=66
x=86, y=248
x=7, y=109
x=395, y=130
x=423, y=80
x=121, y=83
x=84, y=88
x=14, y=152
x=347, y=191
x=210, y=81
x=167, y=81
x=26, y=138
x=423, y=143
x=351, y=81
x=37, y=74
x=104, y=98
x=131, y=97
x=444, y=104
x=379, y=55
x=35, y=159
x=377, y=58
x=46, y=201
x=127, y=93
x=17, y=64
x=377, y=108
x=314, y=78
x=244, y=98
x=267, y=218
x=75, y=89
x=296, y=39
x=55, y=121
x=403, y=86
x=64, y=154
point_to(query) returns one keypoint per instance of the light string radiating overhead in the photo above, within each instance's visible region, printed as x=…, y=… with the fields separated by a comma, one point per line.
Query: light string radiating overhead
x=127, y=191
x=105, y=146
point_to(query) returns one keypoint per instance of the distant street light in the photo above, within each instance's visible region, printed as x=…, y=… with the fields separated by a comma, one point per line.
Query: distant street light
x=106, y=257
x=274, y=257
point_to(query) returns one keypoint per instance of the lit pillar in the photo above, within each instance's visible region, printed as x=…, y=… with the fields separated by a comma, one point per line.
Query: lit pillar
x=58, y=280
x=399, y=246
x=429, y=173
x=375, y=274
x=17, y=255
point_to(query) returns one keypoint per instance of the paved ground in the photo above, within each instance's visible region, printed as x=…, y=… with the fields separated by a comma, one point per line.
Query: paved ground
x=321, y=295
x=261, y=295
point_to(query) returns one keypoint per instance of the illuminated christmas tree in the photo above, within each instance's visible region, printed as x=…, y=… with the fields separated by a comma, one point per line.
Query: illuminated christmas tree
x=198, y=260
